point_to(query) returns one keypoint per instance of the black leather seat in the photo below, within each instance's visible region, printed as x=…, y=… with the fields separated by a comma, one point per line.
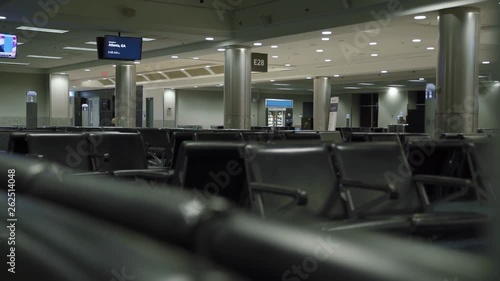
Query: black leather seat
x=287, y=181
x=260, y=136
x=176, y=141
x=117, y=151
x=217, y=136
x=383, y=137
x=213, y=169
x=253, y=248
x=69, y=150
x=376, y=179
x=60, y=244
x=301, y=136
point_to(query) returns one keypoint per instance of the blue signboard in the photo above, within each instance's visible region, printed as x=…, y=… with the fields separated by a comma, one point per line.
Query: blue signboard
x=279, y=103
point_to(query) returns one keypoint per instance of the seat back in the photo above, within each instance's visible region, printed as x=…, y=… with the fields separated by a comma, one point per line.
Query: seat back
x=213, y=169
x=382, y=137
x=68, y=149
x=260, y=136
x=154, y=137
x=293, y=167
x=217, y=136
x=301, y=136
x=177, y=139
x=380, y=165
x=114, y=151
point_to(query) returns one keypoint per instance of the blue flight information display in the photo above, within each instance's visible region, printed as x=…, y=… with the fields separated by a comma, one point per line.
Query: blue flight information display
x=122, y=48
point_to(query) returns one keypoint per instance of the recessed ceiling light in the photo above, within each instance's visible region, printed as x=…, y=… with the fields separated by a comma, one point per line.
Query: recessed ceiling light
x=2, y=18
x=336, y=75
x=319, y=51
x=309, y=78
x=44, y=57
x=275, y=57
x=87, y=70
x=326, y=32
x=80, y=49
x=257, y=44
x=62, y=73
x=208, y=66
x=352, y=88
x=39, y=29
x=137, y=62
x=373, y=43
x=274, y=46
x=182, y=69
x=196, y=58
x=89, y=80
x=14, y=63
x=395, y=85
x=366, y=84
x=383, y=71
x=210, y=39
x=145, y=39
x=175, y=57
x=281, y=84
x=486, y=62
x=416, y=80
x=195, y=86
x=221, y=50
x=430, y=48
x=416, y=40
x=374, y=55
x=272, y=80
x=114, y=65
x=328, y=60
x=287, y=65
x=325, y=39
x=91, y=43
x=19, y=43
x=420, y=17
x=421, y=79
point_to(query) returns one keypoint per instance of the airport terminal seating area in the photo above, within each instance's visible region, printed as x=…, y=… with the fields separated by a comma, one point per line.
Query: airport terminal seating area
x=191, y=204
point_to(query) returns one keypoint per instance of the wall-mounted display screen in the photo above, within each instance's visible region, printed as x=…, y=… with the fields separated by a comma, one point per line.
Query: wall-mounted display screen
x=8, y=46
x=119, y=48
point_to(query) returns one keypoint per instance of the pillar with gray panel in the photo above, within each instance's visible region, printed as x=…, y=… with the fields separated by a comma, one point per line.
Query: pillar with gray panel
x=31, y=110
x=458, y=70
x=237, y=88
x=321, y=110
x=126, y=96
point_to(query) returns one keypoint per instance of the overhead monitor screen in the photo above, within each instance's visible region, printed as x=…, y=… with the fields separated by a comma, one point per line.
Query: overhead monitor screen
x=8, y=46
x=119, y=48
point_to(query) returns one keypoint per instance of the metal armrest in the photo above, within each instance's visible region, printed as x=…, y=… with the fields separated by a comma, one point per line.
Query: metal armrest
x=391, y=189
x=163, y=175
x=440, y=180
x=299, y=195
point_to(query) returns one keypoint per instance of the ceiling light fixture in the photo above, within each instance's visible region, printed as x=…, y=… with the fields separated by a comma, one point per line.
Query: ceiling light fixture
x=485, y=62
x=309, y=78
x=2, y=18
x=420, y=17
x=416, y=40
x=352, y=88
x=366, y=84
x=325, y=39
x=431, y=48
x=80, y=49
x=196, y=58
x=274, y=46
x=87, y=70
x=319, y=51
x=39, y=29
x=275, y=57
x=91, y=43
x=14, y=63
x=373, y=43
x=44, y=57
x=145, y=39
x=288, y=65
x=383, y=71
x=137, y=62
x=326, y=32
x=374, y=55
x=336, y=75
x=395, y=85
x=328, y=60
x=210, y=39
x=257, y=44
x=175, y=57
x=221, y=50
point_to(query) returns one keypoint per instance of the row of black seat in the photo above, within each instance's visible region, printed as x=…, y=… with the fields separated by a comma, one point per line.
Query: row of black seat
x=96, y=229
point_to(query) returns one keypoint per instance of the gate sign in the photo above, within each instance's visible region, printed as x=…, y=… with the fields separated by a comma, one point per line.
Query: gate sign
x=259, y=62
